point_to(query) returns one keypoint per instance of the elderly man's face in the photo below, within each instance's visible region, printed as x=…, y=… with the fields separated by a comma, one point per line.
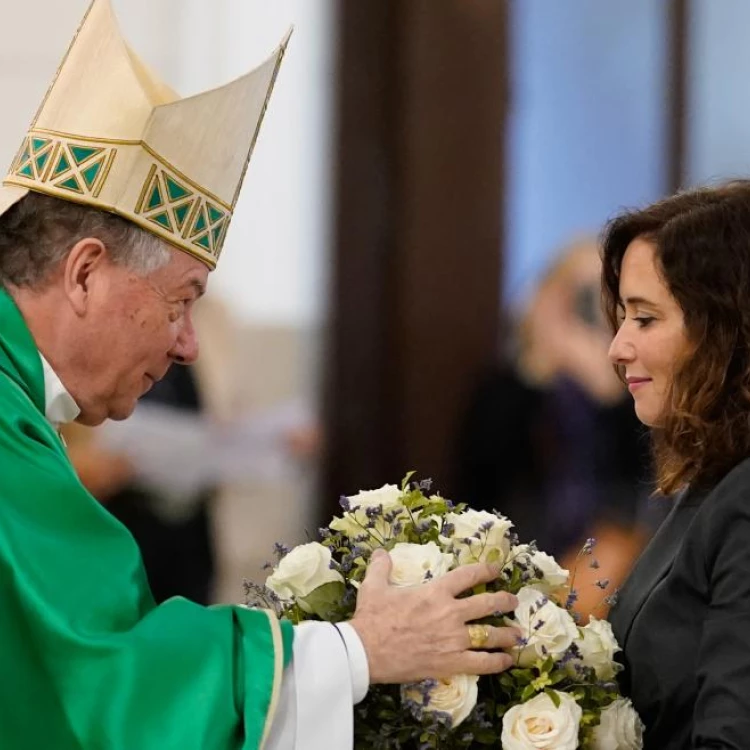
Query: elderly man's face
x=137, y=328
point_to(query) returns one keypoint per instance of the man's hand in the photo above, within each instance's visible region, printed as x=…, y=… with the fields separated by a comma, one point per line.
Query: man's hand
x=414, y=633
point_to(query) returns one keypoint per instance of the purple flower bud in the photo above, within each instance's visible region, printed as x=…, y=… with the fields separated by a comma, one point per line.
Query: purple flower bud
x=611, y=600
x=344, y=503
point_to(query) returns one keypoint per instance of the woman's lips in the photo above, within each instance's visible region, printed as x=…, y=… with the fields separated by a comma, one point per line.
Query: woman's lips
x=635, y=383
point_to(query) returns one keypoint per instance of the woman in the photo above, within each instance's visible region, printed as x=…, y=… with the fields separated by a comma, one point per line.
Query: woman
x=677, y=291
x=550, y=437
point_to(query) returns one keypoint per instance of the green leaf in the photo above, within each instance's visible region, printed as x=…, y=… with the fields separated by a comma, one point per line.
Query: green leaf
x=553, y=694
x=405, y=481
x=325, y=601
x=541, y=682
x=486, y=737
x=435, y=508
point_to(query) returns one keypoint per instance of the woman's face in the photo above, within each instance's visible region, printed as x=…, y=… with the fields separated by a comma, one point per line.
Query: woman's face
x=651, y=337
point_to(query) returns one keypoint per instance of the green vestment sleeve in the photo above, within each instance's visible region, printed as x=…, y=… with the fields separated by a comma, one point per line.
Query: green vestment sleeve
x=87, y=661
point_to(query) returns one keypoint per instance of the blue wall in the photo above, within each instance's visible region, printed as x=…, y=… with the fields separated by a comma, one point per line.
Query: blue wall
x=587, y=128
x=719, y=93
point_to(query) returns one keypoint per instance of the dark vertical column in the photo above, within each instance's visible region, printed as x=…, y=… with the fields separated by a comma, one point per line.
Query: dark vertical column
x=416, y=277
x=678, y=84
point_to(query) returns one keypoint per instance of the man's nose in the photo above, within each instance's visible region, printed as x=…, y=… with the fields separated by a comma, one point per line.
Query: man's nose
x=185, y=350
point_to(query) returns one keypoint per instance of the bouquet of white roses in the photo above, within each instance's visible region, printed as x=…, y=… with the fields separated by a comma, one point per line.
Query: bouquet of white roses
x=561, y=693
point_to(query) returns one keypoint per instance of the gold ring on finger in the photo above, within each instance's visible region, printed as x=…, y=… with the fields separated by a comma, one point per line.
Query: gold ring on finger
x=479, y=635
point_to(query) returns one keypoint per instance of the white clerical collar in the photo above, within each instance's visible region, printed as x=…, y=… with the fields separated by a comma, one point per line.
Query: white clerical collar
x=59, y=406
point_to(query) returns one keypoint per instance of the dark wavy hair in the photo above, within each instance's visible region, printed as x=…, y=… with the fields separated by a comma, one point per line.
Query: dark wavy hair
x=702, y=241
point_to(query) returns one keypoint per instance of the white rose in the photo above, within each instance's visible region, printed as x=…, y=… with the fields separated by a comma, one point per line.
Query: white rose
x=538, y=725
x=518, y=554
x=303, y=570
x=455, y=696
x=620, y=728
x=553, y=576
x=415, y=563
x=493, y=538
x=389, y=496
x=548, y=629
x=598, y=647
x=354, y=522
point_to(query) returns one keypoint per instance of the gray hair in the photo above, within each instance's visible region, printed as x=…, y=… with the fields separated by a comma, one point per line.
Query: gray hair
x=37, y=234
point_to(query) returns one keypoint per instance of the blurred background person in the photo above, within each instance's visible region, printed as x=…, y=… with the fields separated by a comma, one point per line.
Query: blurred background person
x=549, y=438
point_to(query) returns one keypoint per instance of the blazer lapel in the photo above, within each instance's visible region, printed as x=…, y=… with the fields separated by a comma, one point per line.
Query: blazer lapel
x=652, y=566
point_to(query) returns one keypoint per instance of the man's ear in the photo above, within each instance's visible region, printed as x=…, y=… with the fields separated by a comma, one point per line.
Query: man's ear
x=87, y=256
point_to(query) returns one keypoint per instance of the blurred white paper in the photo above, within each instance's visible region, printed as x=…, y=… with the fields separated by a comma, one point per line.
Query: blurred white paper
x=179, y=454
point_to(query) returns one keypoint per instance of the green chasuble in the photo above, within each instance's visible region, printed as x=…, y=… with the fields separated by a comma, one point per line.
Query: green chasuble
x=87, y=660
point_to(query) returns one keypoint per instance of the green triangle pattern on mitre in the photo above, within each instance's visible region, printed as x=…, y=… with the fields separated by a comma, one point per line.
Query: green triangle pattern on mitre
x=70, y=184
x=204, y=242
x=181, y=214
x=27, y=171
x=91, y=173
x=63, y=165
x=175, y=191
x=155, y=199
x=82, y=153
x=162, y=219
x=216, y=232
x=25, y=156
x=41, y=161
x=37, y=144
x=200, y=224
x=214, y=214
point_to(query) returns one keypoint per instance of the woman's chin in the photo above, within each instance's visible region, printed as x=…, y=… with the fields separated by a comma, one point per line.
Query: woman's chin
x=649, y=415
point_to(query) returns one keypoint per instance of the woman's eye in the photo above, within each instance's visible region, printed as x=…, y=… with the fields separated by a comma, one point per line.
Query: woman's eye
x=644, y=321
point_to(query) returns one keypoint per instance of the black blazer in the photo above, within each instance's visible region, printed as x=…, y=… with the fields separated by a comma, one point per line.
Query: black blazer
x=683, y=620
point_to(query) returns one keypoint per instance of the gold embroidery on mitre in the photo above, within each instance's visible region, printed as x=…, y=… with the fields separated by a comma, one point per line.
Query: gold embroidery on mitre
x=68, y=164
x=170, y=204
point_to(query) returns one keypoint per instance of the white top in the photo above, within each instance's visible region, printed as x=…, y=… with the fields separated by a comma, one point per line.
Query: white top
x=328, y=673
